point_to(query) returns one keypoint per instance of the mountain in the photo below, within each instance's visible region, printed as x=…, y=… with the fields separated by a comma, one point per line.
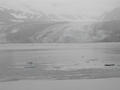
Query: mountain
x=110, y=26
x=18, y=26
x=14, y=23
x=113, y=15
x=23, y=27
x=75, y=32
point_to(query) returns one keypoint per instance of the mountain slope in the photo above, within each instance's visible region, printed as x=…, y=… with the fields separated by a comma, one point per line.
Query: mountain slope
x=74, y=32
x=23, y=27
x=110, y=26
x=16, y=26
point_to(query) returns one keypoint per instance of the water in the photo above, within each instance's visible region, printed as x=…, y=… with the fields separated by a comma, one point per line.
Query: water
x=81, y=55
x=64, y=55
x=14, y=59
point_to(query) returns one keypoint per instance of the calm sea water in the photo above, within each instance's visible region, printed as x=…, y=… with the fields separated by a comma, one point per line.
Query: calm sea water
x=64, y=55
x=16, y=59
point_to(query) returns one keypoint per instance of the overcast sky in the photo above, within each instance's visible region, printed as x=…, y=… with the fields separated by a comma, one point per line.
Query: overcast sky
x=90, y=7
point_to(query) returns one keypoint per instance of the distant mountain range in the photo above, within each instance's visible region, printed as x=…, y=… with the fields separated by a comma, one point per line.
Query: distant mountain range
x=17, y=26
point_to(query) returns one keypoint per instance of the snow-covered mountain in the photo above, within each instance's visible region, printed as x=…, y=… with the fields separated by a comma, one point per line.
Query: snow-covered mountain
x=110, y=25
x=40, y=11
x=62, y=10
x=113, y=15
x=106, y=30
x=28, y=25
x=74, y=32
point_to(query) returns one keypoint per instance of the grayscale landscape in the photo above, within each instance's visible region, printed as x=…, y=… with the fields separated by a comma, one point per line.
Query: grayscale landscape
x=59, y=40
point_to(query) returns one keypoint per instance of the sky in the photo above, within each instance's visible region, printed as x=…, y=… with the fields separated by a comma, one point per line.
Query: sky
x=74, y=7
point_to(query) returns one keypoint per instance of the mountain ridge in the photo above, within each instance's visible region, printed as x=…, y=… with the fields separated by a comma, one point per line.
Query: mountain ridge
x=24, y=27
